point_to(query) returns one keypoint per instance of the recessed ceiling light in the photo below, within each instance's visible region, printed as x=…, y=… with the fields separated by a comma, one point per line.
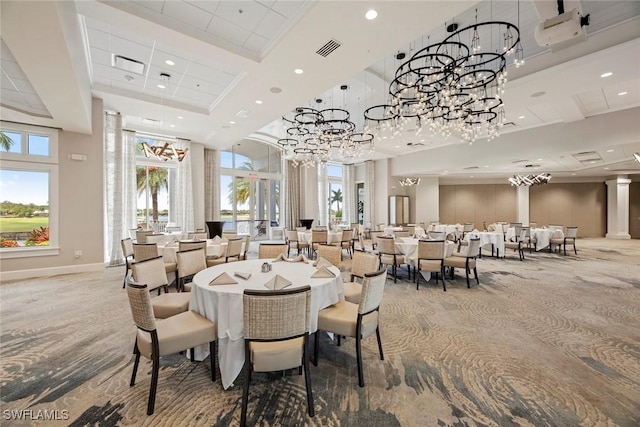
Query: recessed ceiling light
x=521, y=117
x=397, y=146
x=422, y=140
x=161, y=86
x=232, y=122
x=538, y=94
x=371, y=14
x=275, y=89
x=298, y=71
x=622, y=93
x=384, y=137
x=172, y=126
x=486, y=166
x=611, y=150
x=607, y=74
x=573, y=174
x=258, y=101
x=169, y=62
x=470, y=176
x=180, y=117
x=539, y=160
x=606, y=168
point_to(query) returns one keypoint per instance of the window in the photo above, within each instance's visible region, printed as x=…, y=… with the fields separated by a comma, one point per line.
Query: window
x=334, y=179
x=29, y=185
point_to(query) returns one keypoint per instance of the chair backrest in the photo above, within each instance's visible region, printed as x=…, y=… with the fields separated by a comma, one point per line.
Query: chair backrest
x=234, y=247
x=319, y=235
x=191, y=262
x=525, y=232
x=372, y=291
x=572, y=232
x=473, y=250
x=156, y=238
x=197, y=235
x=347, y=235
x=276, y=315
x=247, y=244
x=374, y=235
x=386, y=245
x=363, y=263
x=411, y=229
x=187, y=245
x=365, y=244
x=150, y=272
x=127, y=247
x=141, y=307
x=331, y=253
x=437, y=235
x=431, y=249
x=142, y=251
x=533, y=224
x=518, y=231
x=556, y=227
x=229, y=234
x=271, y=250
x=291, y=235
x=401, y=233
x=468, y=226
x=141, y=235
x=301, y=229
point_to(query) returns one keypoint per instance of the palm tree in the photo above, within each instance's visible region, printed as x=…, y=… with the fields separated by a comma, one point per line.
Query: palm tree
x=242, y=186
x=155, y=180
x=5, y=142
x=336, y=197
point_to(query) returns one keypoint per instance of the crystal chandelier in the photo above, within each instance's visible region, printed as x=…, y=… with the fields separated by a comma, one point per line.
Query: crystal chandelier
x=452, y=87
x=409, y=182
x=316, y=135
x=528, y=180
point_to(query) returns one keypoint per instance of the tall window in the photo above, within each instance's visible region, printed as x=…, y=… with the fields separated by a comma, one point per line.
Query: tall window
x=155, y=181
x=29, y=190
x=334, y=182
x=250, y=188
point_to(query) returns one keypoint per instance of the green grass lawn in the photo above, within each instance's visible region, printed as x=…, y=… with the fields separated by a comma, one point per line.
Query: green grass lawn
x=22, y=224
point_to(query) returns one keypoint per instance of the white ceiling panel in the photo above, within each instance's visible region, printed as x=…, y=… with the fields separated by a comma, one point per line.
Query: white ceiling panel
x=271, y=25
x=99, y=39
x=228, y=30
x=131, y=49
x=287, y=8
x=255, y=42
x=155, y=5
x=245, y=14
x=12, y=69
x=209, y=6
x=99, y=56
x=187, y=13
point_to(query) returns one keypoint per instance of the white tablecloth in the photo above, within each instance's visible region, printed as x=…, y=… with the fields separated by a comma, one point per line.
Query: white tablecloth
x=489, y=240
x=223, y=303
x=409, y=247
x=168, y=252
x=332, y=236
x=453, y=229
x=388, y=231
x=541, y=235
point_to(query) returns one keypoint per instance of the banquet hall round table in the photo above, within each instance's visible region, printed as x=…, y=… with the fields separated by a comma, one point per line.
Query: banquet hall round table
x=223, y=303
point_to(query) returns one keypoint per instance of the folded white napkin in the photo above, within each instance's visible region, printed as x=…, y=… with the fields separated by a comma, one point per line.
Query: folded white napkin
x=242, y=275
x=277, y=282
x=323, y=272
x=223, y=279
x=216, y=239
x=322, y=262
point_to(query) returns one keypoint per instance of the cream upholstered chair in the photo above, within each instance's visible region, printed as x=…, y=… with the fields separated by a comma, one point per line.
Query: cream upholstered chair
x=127, y=252
x=390, y=256
x=569, y=239
x=517, y=245
x=271, y=250
x=318, y=237
x=142, y=251
x=437, y=235
x=160, y=338
x=363, y=263
x=331, y=253
x=276, y=331
x=466, y=260
x=246, y=246
x=401, y=233
x=230, y=234
x=355, y=320
x=291, y=237
x=430, y=258
x=233, y=253
x=190, y=262
x=411, y=229
x=156, y=238
x=141, y=235
x=197, y=235
x=187, y=245
x=466, y=228
x=151, y=273
x=346, y=242
x=374, y=235
x=366, y=244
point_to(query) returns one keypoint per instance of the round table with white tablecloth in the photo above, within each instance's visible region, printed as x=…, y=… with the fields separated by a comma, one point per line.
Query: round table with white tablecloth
x=223, y=303
x=332, y=237
x=409, y=247
x=212, y=249
x=489, y=240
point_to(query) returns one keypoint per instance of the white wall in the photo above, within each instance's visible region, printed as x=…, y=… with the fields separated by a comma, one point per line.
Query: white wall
x=196, y=151
x=427, y=200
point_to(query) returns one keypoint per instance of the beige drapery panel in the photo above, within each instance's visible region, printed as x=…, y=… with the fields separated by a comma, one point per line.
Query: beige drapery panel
x=292, y=196
x=323, y=197
x=348, y=194
x=182, y=201
x=211, y=186
x=369, y=194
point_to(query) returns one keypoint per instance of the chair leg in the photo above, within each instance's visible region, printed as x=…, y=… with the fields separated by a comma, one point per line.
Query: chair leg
x=467, y=271
x=379, y=342
x=417, y=278
x=316, y=342
x=212, y=358
x=444, y=285
x=135, y=365
x=154, y=383
x=574, y=248
x=307, y=381
x=565, y=248
x=359, y=359
x=245, y=395
x=475, y=272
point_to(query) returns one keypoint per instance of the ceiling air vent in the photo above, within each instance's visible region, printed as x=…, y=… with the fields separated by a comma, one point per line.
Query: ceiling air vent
x=127, y=64
x=587, y=157
x=328, y=48
x=471, y=168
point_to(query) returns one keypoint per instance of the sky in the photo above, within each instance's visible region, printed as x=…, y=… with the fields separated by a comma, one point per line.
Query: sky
x=24, y=186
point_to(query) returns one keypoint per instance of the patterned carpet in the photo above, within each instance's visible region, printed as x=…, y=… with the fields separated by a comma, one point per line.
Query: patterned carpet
x=551, y=341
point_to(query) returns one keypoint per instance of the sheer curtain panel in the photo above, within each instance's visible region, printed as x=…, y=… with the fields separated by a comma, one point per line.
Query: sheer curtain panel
x=292, y=196
x=183, y=194
x=211, y=186
x=348, y=191
x=323, y=198
x=369, y=193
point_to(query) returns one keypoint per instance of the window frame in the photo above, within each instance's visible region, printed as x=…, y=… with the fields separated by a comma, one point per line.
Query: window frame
x=24, y=161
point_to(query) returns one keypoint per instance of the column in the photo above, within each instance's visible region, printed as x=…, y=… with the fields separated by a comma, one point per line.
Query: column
x=618, y=208
x=522, y=204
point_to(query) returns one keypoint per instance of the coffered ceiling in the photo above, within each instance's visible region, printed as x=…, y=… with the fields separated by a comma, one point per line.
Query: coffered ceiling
x=203, y=65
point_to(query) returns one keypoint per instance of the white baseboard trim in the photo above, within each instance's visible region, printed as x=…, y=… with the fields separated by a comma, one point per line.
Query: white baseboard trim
x=50, y=271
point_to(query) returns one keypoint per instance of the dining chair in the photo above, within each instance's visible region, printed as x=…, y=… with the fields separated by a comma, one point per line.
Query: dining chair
x=276, y=333
x=401, y=233
x=466, y=260
x=233, y=253
x=430, y=258
x=318, y=237
x=363, y=263
x=246, y=247
x=359, y=321
x=141, y=235
x=127, y=252
x=230, y=234
x=156, y=238
x=331, y=253
x=172, y=335
x=197, y=235
x=389, y=255
x=569, y=239
x=271, y=250
x=151, y=273
x=142, y=251
x=411, y=229
x=466, y=228
x=346, y=242
x=291, y=238
x=186, y=245
x=190, y=262
x=374, y=235
x=517, y=244
x=437, y=235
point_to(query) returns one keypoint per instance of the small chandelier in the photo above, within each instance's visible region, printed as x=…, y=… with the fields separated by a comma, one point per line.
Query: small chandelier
x=409, y=182
x=528, y=180
x=316, y=135
x=165, y=152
